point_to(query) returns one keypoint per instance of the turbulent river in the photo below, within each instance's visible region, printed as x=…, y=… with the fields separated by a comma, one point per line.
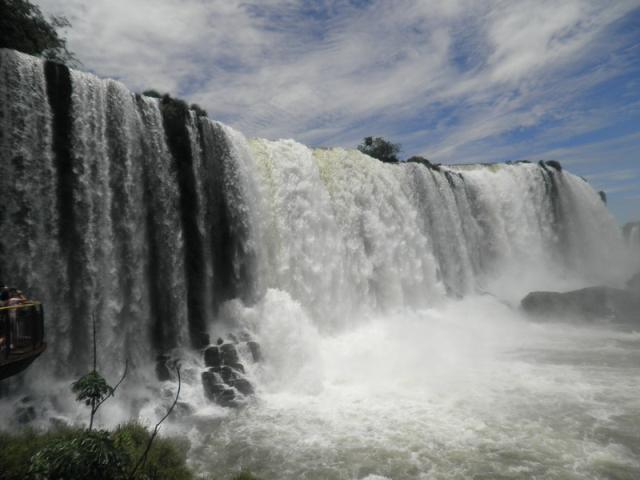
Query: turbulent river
x=385, y=298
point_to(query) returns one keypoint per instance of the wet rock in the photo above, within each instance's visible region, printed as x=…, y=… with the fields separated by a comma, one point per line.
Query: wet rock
x=254, y=347
x=233, y=338
x=213, y=385
x=227, y=398
x=163, y=372
x=243, y=386
x=228, y=374
x=593, y=304
x=238, y=367
x=212, y=356
x=219, y=341
x=229, y=353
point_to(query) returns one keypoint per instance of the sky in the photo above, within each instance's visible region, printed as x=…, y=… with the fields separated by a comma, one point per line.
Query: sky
x=456, y=81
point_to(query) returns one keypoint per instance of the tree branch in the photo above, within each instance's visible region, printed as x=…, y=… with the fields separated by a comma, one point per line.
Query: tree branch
x=113, y=391
x=143, y=458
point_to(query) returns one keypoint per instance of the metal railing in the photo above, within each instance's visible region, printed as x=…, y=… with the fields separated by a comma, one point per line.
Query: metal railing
x=21, y=329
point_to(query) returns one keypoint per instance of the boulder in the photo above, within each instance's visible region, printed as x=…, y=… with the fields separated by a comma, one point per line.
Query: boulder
x=593, y=304
x=229, y=353
x=213, y=385
x=243, y=386
x=228, y=398
x=212, y=356
x=238, y=367
x=228, y=374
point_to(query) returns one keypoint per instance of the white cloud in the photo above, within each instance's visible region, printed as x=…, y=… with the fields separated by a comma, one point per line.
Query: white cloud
x=441, y=77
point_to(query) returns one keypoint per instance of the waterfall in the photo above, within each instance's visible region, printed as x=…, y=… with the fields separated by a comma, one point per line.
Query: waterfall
x=138, y=213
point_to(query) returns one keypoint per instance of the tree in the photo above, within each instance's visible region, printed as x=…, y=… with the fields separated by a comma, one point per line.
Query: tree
x=380, y=148
x=24, y=28
x=92, y=388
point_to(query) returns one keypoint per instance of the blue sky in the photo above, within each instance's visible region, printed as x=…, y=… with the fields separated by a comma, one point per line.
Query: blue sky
x=457, y=81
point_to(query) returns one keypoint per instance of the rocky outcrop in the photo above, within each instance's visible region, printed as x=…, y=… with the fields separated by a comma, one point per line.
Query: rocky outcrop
x=225, y=381
x=592, y=305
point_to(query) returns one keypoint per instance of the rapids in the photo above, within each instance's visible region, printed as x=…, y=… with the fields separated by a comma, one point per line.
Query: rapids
x=384, y=296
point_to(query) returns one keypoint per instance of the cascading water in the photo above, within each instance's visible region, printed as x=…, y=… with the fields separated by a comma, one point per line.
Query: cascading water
x=381, y=294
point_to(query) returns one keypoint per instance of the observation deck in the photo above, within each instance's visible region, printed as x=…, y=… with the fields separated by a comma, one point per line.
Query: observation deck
x=21, y=337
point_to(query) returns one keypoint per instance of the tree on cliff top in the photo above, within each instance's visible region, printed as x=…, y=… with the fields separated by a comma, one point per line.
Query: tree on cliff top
x=24, y=28
x=380, y=148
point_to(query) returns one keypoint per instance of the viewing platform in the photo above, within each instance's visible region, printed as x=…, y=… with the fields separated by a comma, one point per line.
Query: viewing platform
x=21, y=337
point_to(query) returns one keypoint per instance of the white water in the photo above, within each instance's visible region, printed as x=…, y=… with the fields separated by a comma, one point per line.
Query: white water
x=383, y=297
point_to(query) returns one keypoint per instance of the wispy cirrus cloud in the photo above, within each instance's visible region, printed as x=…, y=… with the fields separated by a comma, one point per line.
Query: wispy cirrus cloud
x=461, y=80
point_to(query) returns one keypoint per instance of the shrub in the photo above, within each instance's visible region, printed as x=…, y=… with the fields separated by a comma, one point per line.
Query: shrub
x=73, y=453
x=87, y=455
x=380, y=148
x=167, y=457
x=16, y=449
x=23, y=28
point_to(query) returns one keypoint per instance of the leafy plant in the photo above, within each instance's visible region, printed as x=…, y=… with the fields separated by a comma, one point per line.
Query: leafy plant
x=92, y=388
x=87, y=455
x=24, y=28
x=380, y=148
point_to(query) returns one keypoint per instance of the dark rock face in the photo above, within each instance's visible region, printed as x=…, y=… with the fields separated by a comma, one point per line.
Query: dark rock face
x=224, y=382
x=229, y=353
x=212, y=357
x=243, y=386
x=593, y=304
x=212, y=384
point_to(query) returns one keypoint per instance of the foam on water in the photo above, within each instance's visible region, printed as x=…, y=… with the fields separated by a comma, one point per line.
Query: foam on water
x=470, y=389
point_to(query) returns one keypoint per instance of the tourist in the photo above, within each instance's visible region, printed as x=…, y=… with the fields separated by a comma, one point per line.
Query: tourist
x=4, y=295
x=16, y=297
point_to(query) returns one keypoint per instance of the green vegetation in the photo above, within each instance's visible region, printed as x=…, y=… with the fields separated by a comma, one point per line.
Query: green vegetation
x=74, y=453
x=387, y=151
x=23, y=28
x=380, y=148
